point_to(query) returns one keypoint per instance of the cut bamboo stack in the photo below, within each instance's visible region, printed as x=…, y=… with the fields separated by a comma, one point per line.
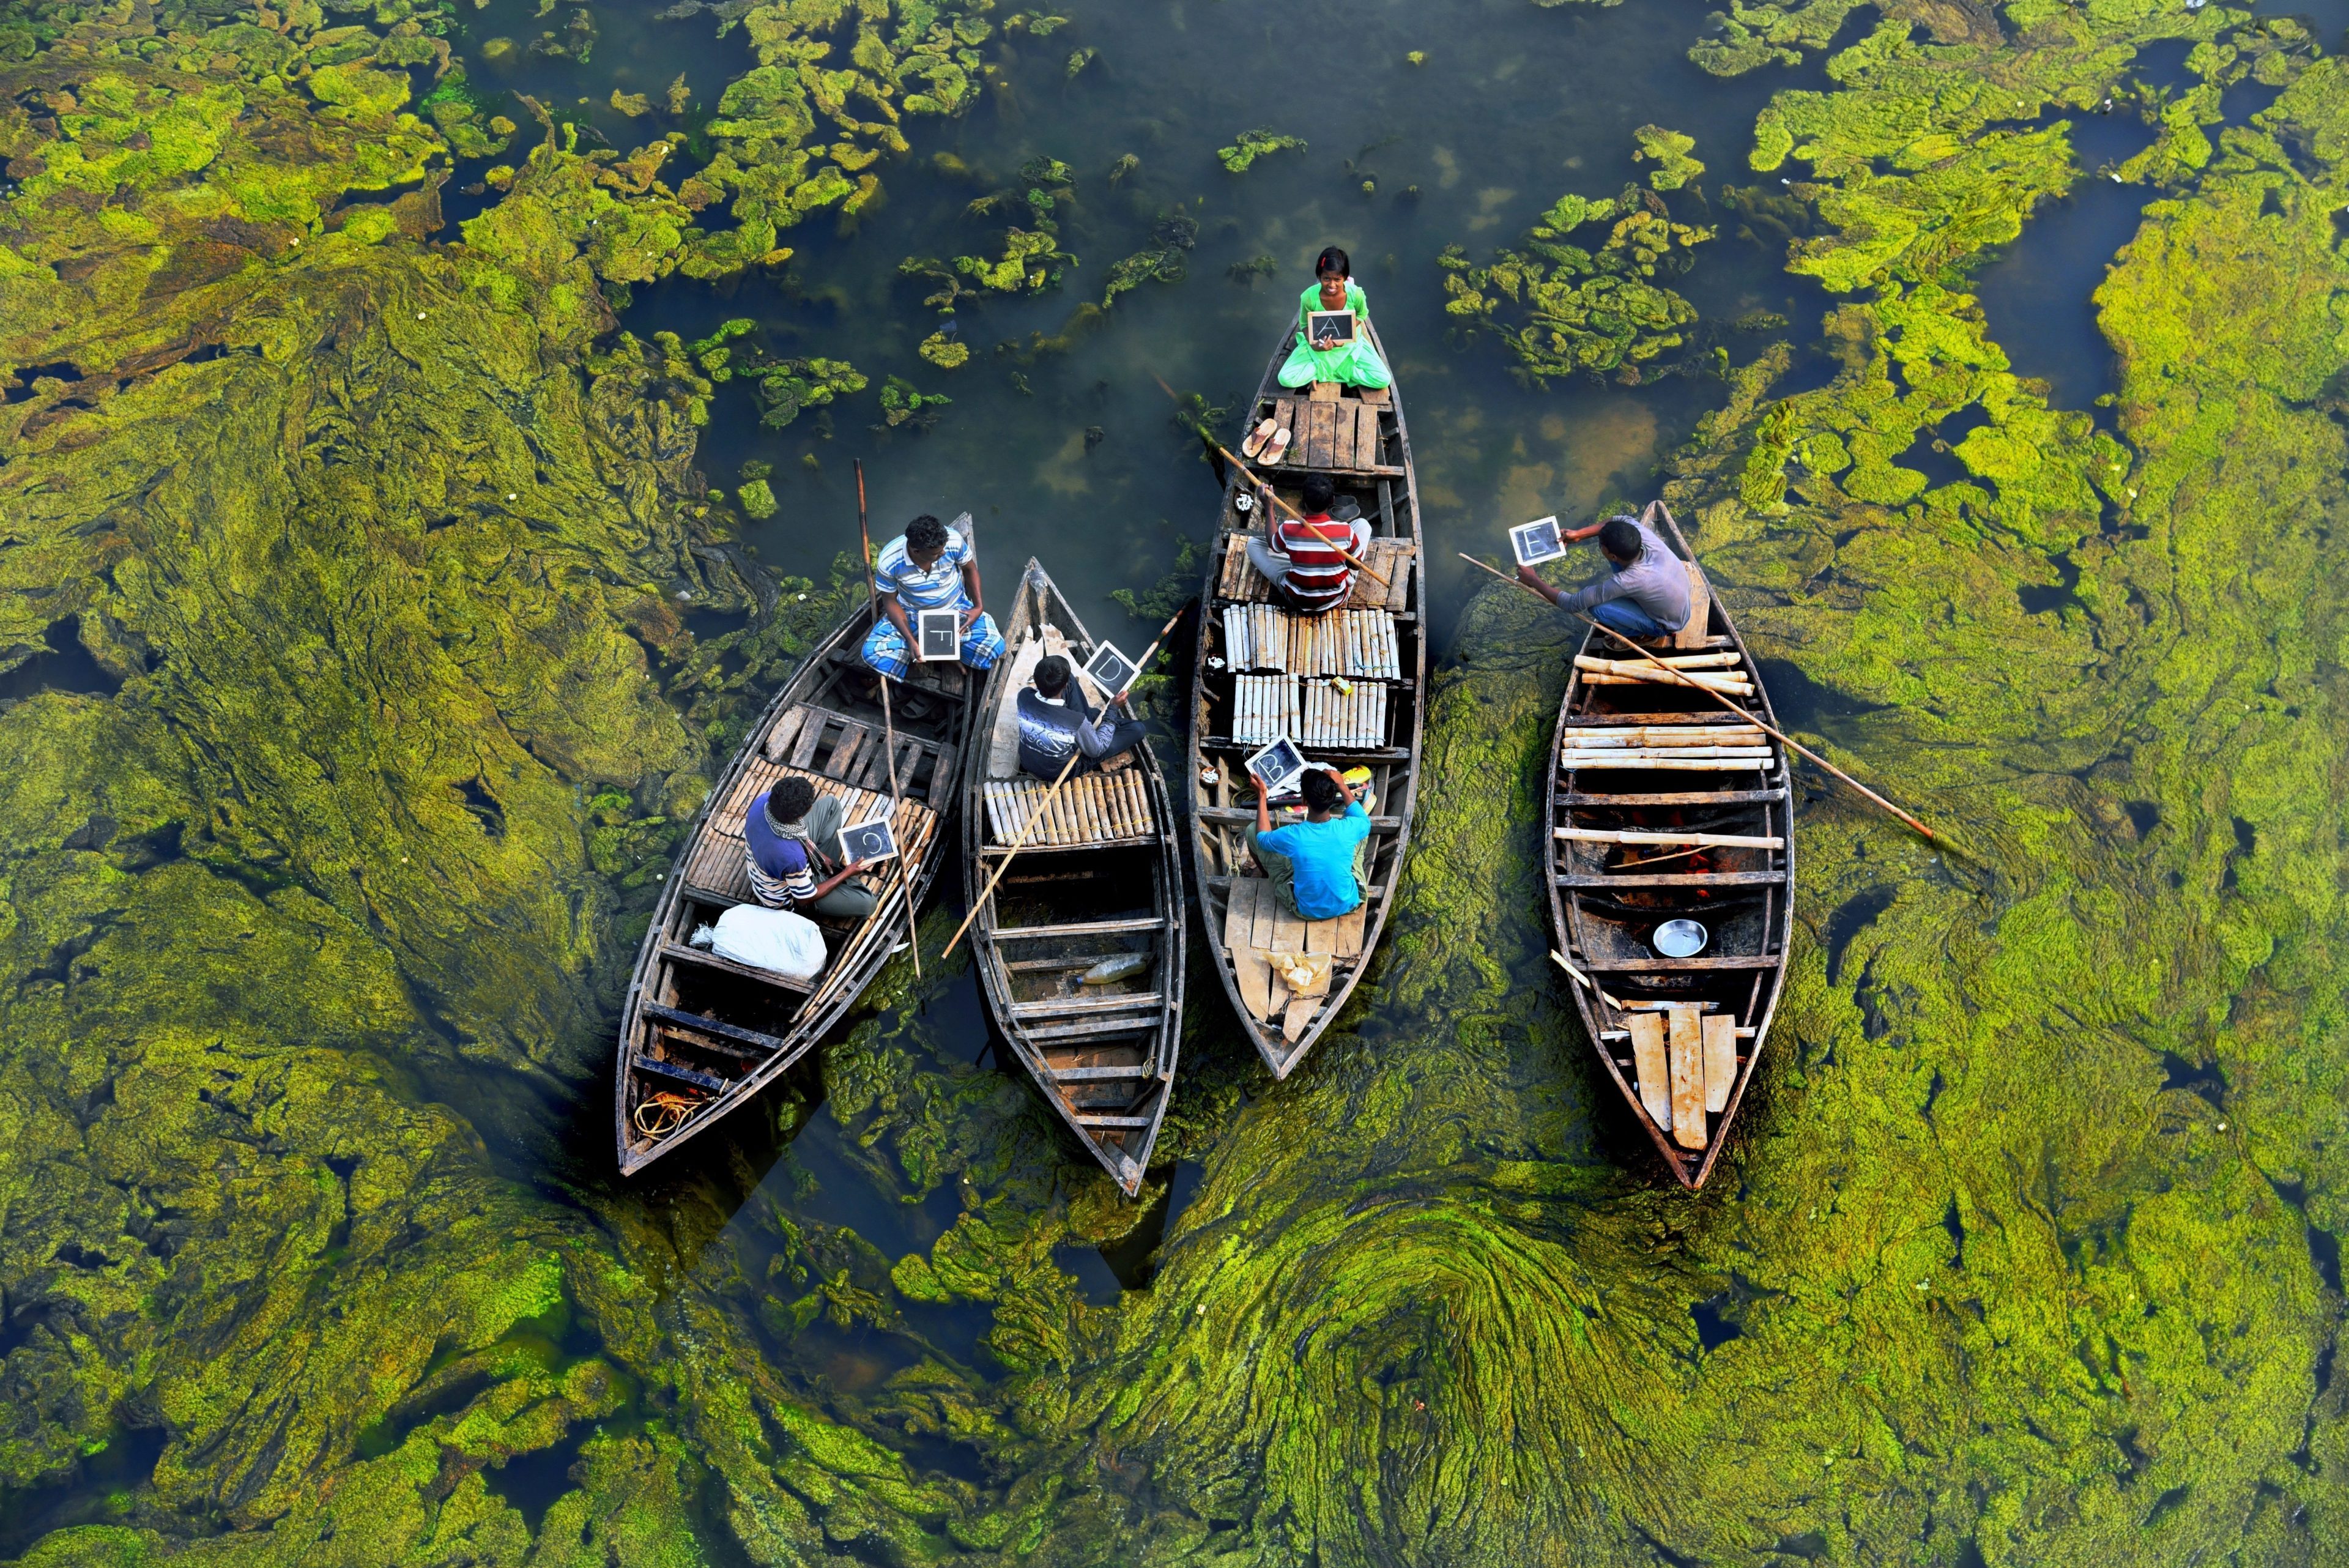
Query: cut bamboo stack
x=1094, y=808
x=1357, y=643
x=1264, y=708
x=1671, y=748
x=1713, y=671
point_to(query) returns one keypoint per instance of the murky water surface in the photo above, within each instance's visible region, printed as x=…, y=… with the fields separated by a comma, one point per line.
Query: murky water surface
x=1060, y=442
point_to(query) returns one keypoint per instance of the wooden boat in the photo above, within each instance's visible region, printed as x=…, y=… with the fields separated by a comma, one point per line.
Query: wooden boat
x=1098, y=881
x=1648, y=770
x=1263, y=671
x=708, y=1034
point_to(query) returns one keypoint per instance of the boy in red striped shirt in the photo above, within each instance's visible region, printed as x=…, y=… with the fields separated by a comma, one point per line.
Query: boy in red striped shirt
x=1303, y=564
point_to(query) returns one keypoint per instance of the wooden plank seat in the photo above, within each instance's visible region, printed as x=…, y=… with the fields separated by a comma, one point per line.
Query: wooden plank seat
x=716, y=869
x=826, y=744
x=1089, y=809
x=1256, y=925
x=1341, y=435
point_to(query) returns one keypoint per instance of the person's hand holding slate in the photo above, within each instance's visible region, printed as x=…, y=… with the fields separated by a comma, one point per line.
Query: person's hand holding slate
x=1531, y=578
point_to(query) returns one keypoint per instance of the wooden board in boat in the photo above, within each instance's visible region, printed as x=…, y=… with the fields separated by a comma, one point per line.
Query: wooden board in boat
x=1702, y=803
x=712, y=1032
x=1100, y=879
x=1263, y=671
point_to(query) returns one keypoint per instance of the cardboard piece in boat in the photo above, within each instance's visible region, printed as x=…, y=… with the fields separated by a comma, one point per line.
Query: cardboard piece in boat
x=1314, y=967
x=940, y=632
x=869, y=841
x=1536, y=541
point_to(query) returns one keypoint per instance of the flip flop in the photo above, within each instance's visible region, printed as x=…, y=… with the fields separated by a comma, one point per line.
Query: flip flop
x=1279, y=448
x=1255, y=443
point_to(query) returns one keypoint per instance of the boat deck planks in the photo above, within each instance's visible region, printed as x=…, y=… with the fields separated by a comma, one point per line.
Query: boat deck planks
x=1279, y=683
x=1633, y=757
x=1100, y=877
x=718, y=1031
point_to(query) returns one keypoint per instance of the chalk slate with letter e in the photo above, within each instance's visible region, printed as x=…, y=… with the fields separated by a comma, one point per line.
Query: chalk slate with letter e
x=1536, y=542
x=869, y=841
x=1325, y=324
x=941, y=634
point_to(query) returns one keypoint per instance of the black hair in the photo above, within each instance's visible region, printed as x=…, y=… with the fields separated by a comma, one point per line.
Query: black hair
x=1051, y=675
x=789, y=800
x=926, y=534
x=1619, y=537
x=1332, y=259
x=1320, y=490
x=1321, y=792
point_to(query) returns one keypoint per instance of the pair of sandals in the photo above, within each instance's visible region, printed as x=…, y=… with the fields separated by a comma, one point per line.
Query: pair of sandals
x=1269, y=440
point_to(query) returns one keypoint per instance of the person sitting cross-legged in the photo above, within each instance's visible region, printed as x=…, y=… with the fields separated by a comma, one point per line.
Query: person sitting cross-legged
x=1644, y=595
x=929, y=567
x=1055, y=721
x=1319, y=867
x=791, y=836
x=1305, y=562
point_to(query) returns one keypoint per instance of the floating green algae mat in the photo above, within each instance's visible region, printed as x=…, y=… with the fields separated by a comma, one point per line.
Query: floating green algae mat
x=390, y=552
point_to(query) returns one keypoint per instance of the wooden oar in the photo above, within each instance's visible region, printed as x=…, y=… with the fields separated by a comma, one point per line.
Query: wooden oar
x=1673, y=677
x=1347, y=556
x=888, y=724
x=1037, y=813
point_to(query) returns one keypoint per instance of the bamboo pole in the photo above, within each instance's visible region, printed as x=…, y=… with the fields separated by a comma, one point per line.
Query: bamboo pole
x=1716, y=661
x=888, y=722
x=1789, y=741
x=1224, y=452
x=1701, y=840
x=1584, y=981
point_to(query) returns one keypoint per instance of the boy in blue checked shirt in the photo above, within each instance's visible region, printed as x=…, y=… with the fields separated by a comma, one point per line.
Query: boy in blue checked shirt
x=929, y=567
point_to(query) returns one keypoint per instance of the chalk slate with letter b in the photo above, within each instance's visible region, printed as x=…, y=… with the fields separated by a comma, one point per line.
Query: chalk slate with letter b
x=1277, y=767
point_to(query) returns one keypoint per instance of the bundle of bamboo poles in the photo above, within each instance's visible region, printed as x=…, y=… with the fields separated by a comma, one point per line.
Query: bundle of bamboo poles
x=1713, y=671
x=1264, y=708
x=1359, y=643
x=1096, y=808
x=1334, y=717
x=1685, y=748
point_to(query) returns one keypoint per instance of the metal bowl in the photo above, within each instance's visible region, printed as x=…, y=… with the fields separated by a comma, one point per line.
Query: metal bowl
x=1680, y=938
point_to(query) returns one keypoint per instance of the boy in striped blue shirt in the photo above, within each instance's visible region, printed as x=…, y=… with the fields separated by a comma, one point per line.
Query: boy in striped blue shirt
x=929, y=567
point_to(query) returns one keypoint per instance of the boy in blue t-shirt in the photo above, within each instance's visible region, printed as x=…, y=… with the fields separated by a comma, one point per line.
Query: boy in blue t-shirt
x=1316, y=865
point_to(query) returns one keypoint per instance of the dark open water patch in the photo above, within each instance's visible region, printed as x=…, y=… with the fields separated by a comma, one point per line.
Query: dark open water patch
x=1803, y=703
x=64, y=666
x=2037, y=295
x=531, y=1483
x=105, y=1489
x=1713, y=1329
x=2046, y=598
x=1853, y=916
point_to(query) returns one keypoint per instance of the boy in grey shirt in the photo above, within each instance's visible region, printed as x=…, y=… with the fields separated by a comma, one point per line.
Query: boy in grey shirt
x=1645, y=593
